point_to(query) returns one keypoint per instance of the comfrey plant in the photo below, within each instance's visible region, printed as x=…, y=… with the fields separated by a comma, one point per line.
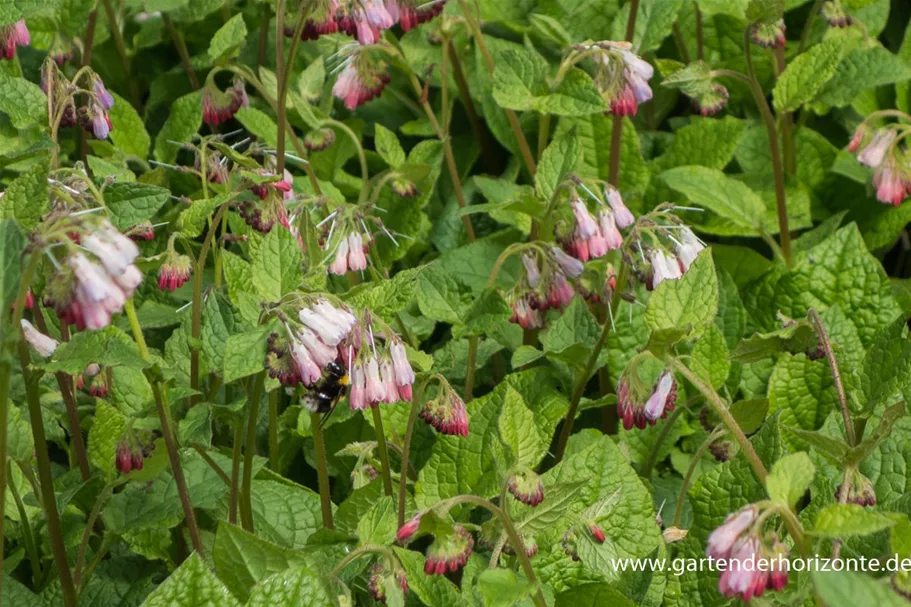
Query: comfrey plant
x=351, y=302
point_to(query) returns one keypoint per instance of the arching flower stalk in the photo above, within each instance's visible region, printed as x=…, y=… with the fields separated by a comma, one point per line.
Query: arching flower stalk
x=621, y=76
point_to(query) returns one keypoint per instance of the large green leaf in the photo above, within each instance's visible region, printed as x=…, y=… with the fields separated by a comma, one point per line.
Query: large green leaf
x=191, y=585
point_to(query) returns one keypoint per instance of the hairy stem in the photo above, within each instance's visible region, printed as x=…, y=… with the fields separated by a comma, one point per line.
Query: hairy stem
x=28, y=536
x=616, y=136
x=88, y=42
x=649, y=464
x=700, y=37
x=246, y=512
x=805, y=34
x=117, y=35
x=477, y=127
x=235, y=471
x=826, y=344
x=90, y=526
x=579, y=388
x=383, y=451
x=167, y=432
x=778, y=169
x=471, y=363
x=273, y=430
x=721, y=409
x=181, y=47
x=406, y=449
x=478, y=35
x=691, y=469
x=263, y=43
x=55, y=530
x=322, y=470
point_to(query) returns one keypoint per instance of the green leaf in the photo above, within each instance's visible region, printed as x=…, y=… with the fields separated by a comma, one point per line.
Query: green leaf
x=108, y=347
x=577, y=95
x=844, y=520
x=218, y=323
x=229, y=39
x=26, y=198
x=284, y=513
x=242, y=559
x=107, y=429
x=654, y=22
x=277, y=265
x=300, y=587
x=388, y=146
x=132, y=203
x=184, y=120
x=129, y=134
x=519, y=78
x=22, y=101
x=560, y=158
x=593, y=595
x=860, y=70
x=245, y=353
x=11, y=244
x=519, y=431
x=836, y=450
x=501, y=588
x=259, y=123
x=765, y=11
x=740, y=207
x=750, y=413
x=379, y=524
x=807, y=74
x=584, y=19
x=438, y=296
x=789, y=479
x=887, y=365
x=688, y=301
x=191, y=585
x=850, y=589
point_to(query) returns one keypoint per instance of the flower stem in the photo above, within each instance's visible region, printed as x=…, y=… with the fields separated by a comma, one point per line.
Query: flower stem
x=283, y=73
x=721, y=409
x=478, y=35
x=805, y=34
x=769, y=120
x=836, y=375
x=264, y=19
x=383, y=451
x=235, y=470
x=88, y=42
x=579, y=388
x=787, y=121
x=691, y=469
x=649, y=464
x=406, y=449
x=90, y=525
x=117, y=35
x=273, y=430
x=480, y=133
x=471, y=363
x=246, y=513
x=543, y=134
x=700, y=38
x=514, y=538
x=55, y=530
x=181, y=47
x=167, y=432
x=28, y=536
x=616, y=136
x=322, y=470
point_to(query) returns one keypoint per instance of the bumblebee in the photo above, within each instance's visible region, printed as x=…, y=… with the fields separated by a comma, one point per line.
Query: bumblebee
x=322, y=397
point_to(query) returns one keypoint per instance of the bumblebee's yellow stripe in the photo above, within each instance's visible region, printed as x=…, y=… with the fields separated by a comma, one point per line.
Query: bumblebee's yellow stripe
x=345, y=380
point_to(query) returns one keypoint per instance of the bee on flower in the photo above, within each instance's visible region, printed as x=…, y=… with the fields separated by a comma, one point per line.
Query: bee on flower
x=378, y=363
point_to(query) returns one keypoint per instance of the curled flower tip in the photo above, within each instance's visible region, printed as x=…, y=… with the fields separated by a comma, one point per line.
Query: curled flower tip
x=318, y=140
x=42, y=344
x=835, y=15
x=449, y=552
x=174, y=273
x=769, y=35
x=597, y=533
x=856, y=488
x=404, y=188
x=407, y=531
x=712, y=100
x=11, y=36
x=569, y=544
x=447, y=414
x=526, y=486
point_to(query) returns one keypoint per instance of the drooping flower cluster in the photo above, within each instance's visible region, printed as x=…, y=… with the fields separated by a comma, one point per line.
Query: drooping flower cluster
x=365, y=19
x=590, y=237
x=95, y=279
x=697, y=81
x=526, y=486
x=362, y=79
x=272, y=194
x=856, y=488
x=768, y=34
x=92, y=115
x=220, y=106
x=44, y=345
x=835, y=14
x=380, y=370
x=621, y=76
x=345, y=237
x=545, y=285
x=891, y=163
x=630, y=408
x=380, y=578
x=11, y=36
x=128, y=458
x=310, y=343
x=739, y=542
x=93, y=381
x=449, y=551
x=446, y=412
x=661, y=247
